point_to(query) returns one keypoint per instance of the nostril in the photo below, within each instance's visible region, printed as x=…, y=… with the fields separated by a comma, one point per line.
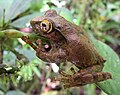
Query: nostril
x=59, y=27
x=37, y=26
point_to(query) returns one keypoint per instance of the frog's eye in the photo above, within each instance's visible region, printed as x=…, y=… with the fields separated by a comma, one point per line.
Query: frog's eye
x=46, y=26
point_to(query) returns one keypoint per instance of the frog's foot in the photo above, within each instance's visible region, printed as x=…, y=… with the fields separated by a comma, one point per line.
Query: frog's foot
x=38, y=47
x=65, y=75
x=65, y=78
x=80, y=80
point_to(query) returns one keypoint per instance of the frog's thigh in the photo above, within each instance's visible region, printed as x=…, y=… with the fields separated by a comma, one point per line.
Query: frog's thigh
x=80, y=80
x=88, y=70
x=92, y=78
x=86, y=79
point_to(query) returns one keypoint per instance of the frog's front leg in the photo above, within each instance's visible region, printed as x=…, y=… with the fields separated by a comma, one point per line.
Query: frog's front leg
x=54, y=55
x=26, y=39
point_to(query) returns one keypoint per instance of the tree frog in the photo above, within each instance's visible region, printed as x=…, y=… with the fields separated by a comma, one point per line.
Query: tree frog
x=69, y=42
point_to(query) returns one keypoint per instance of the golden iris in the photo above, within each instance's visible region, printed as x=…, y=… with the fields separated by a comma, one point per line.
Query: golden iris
x=46, y=26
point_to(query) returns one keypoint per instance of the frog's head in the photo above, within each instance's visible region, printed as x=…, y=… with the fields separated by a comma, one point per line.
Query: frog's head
x=49, y=25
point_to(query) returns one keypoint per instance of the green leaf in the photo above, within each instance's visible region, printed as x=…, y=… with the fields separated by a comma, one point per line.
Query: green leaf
x=112, y=86
x=111, y=6
x=4, y=5
x=11, y=33
x=29, y=53
x=26, y=72
x=36, y=71
x=29, y=70
x=113, y=40
x=65, y=13
x=8, y=56
x=21, y=23
x=15, y=92
x=36, y=5
x=89, y=89
x=16, y=8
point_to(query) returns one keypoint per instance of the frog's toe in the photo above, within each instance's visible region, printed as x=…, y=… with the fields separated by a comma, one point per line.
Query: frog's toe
x=72, y=84
x=66, y=81
x=66, y=86
x=63, y=79
x=64, y=74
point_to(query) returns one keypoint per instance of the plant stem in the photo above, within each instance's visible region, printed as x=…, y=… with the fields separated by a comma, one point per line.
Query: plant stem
x=18, y=55
x=85, y=12
x=12, y=33
x=3, y=22
x=1, y=51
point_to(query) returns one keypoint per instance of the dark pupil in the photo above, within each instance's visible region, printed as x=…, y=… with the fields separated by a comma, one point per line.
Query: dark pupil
x=44, y=25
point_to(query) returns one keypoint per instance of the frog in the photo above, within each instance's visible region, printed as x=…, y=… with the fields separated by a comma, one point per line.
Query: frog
x=68, y=43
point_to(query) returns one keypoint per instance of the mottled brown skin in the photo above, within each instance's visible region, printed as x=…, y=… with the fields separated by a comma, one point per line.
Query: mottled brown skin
x=69, y=42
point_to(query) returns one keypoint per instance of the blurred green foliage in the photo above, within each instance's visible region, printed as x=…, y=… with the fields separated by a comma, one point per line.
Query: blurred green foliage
x=23, y=73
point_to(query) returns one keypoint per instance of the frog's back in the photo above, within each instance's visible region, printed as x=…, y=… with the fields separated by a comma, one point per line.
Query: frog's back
x=87, y=53
x=80, y=49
